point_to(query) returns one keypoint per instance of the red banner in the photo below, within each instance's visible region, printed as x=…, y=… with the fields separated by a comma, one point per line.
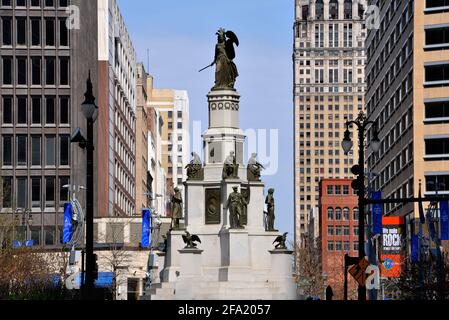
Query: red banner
x=393, y=236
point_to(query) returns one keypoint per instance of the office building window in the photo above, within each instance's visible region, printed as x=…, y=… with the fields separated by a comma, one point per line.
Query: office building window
x=437, y=109
x=50, y=71
x=35, y=32
x=330, y=246
x=346, y=213
x=348, y=9
x=50, y=151
x=330, y=214
x=7, y=110
x=319, y=9
x=330, y=230
x=432, y=4
x=21, y=150
x=36, y=192
x=50, y=32
x=338, y=214
x=22, y=110
x=64, y=110
x=63, y=33
x=50, y=192
x=437, y=183
x=438, y=147
x=49, y=236
x=7, y=192
x=7, y=150
x=6, y=31
x=64, y=150
x=21, y=71
x=355, y=214
x=50, y=110
x=36, y=71
x=36, y=235
x=63, y=192
x=36, y=110
x=22, y=194
x=35, y=150
x=21, y=31
x=437, y=74
x=64, y=71
x=7, y=70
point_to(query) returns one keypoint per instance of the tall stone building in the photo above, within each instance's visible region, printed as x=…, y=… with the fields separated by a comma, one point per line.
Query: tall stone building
x=116, y=123
x=329, y=88
x=44, y=65
x=173, y=108
x=408, y=80
x=144, y=178
x=162, y=186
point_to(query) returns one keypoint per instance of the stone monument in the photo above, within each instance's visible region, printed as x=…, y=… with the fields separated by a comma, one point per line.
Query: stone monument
x=224, y=207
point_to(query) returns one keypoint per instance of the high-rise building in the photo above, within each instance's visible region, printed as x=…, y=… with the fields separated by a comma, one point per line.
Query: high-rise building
x=116, y=123
x=407, y=96
x=162, y=186
x=339, y=230
x=173, y=108
x=44, y=61
x=329, y=89
x=144, y=179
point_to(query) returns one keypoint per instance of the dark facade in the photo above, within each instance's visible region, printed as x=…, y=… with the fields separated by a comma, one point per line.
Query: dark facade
x=45, y=63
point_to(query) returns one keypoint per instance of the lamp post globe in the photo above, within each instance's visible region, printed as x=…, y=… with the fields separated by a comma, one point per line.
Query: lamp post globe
x=88, y=107
x=347, y=143
x=375, y=142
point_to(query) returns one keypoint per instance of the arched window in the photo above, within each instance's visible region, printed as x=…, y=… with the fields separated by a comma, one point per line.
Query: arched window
x=319, y=9
x=346, y=213
x=355, y=214
x=338, y=214
x=361, y=11
x=305, y=12
x=333, y=9
x=330, y=214
x=348, y=9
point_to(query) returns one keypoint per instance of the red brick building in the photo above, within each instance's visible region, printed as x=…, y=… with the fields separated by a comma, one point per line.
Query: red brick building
x=339, y=224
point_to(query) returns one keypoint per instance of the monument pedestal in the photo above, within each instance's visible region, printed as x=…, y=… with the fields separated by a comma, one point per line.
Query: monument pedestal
x=235, y=255
x=191, y=273
x=172, y=263
x=232, y=263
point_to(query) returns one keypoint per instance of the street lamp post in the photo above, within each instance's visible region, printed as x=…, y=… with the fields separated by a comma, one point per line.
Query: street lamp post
x=90, y=112
x=362, y=123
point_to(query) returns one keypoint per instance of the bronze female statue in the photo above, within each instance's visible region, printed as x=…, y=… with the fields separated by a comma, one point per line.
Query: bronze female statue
x=226, y=71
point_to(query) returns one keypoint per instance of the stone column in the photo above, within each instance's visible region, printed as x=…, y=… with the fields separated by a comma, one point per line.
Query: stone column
x=190, y=276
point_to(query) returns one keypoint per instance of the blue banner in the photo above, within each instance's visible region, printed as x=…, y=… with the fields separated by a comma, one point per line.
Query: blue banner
x=68, y=229
x=415, y=249
x=444, y=220
x=146, y=228
x=377, y=214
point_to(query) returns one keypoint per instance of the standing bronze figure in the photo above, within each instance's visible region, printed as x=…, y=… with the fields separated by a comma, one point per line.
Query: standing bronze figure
x=270, y=210
x=236, y=203
x=176, y=209
x=226, y=71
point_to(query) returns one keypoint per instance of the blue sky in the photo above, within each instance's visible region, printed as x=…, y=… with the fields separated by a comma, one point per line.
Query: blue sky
x=180, y=36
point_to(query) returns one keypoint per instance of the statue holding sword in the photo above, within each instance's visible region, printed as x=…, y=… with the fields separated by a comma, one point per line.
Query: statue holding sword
x=226, y=71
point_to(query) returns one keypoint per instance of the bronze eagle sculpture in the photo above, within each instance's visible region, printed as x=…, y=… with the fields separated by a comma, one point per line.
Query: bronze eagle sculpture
x=190, y=239
x=281, y=240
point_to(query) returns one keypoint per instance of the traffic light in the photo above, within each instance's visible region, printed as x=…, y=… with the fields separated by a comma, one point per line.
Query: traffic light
x=356, y=170
x=95, y=267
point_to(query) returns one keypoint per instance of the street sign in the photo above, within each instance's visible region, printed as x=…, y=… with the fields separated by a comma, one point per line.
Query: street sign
x=358, y=271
